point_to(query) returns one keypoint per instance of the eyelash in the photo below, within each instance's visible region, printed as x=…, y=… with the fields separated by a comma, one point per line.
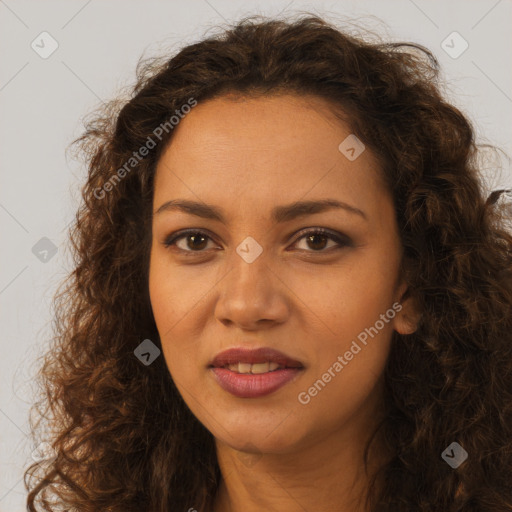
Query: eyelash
x=341, y=240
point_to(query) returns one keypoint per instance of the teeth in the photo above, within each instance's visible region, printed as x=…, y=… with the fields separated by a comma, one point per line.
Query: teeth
x=244, y=368
x=256, y=368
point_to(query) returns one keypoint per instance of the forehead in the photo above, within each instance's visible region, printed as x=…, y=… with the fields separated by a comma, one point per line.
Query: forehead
x=268, y=148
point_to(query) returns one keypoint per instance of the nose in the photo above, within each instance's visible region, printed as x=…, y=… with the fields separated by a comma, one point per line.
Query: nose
x=251, y=295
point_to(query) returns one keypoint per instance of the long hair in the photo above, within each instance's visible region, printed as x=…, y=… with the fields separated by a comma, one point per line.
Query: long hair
x=122, y=439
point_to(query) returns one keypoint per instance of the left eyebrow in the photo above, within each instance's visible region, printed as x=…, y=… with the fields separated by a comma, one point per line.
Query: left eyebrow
x=279, y=214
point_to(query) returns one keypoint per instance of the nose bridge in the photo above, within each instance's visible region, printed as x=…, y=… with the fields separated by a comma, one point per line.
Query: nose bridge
x=249, y=265
x=250, y=291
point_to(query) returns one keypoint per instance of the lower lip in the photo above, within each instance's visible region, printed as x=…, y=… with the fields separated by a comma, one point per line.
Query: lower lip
x=253, y=385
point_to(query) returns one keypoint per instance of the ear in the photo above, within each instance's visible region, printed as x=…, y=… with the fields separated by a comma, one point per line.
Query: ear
x=407, y=319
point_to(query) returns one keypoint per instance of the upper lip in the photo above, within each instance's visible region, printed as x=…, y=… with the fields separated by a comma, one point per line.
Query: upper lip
x=252, y=356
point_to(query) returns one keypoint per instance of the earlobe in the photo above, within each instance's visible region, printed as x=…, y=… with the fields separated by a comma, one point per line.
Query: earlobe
x=406, y=321
x=408, y=318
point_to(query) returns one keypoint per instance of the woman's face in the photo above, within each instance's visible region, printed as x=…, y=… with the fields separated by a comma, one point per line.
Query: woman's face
x=259, y=279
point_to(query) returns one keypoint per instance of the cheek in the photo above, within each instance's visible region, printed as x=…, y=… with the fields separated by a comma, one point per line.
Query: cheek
x=172, y=292
x=350, y=314
x=347, y=298
x=163, y=304
x=350, y=358
x=171, y=302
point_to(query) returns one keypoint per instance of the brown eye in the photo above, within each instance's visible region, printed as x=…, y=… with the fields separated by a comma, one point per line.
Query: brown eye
x=317, y=240
x=195, y=241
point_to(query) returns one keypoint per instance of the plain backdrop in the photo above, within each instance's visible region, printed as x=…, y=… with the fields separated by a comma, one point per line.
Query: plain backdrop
x=43, y=102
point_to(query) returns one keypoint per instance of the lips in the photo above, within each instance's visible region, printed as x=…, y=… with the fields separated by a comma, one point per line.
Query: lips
x=254, y=373
x=262, y=355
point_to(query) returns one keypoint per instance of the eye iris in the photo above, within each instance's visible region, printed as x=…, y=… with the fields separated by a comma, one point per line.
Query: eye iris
x=194, y=238
x=314, y=237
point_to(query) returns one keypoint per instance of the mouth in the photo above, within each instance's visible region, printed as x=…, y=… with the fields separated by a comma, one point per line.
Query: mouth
x=247, y=373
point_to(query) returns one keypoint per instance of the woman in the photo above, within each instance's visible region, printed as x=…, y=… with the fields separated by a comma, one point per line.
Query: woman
x=290, y=291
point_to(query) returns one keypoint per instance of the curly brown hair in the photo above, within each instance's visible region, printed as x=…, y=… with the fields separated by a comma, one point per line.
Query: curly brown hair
x=116, y=448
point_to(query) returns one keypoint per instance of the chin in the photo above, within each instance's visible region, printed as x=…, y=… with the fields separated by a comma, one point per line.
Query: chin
x=248, y=433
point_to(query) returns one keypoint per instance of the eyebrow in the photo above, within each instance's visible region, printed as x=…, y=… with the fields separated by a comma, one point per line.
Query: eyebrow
x=279, y=214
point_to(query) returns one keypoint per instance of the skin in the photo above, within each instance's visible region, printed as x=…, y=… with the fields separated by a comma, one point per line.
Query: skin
x=248, y=155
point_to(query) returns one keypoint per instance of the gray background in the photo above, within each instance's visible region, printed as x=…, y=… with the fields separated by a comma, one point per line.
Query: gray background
x=43, y=101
